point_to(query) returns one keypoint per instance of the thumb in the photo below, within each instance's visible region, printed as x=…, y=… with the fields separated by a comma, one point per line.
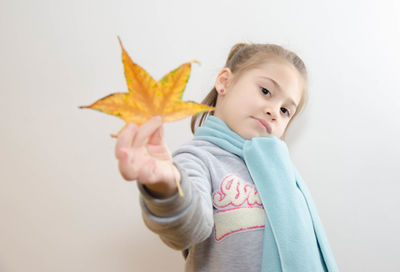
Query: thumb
x=157, y=137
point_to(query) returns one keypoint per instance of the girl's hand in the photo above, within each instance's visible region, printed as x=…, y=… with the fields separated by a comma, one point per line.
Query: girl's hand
x=144, y=157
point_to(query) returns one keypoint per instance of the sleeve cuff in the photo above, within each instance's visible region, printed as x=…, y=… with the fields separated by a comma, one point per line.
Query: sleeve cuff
x=167, y=206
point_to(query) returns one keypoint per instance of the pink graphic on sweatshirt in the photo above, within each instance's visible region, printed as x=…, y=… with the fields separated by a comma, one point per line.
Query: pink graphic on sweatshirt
x=235, y=192
x=239, y=208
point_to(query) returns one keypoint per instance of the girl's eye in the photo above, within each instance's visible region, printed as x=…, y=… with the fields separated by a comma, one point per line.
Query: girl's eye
x=265, y=91
x=285, y=111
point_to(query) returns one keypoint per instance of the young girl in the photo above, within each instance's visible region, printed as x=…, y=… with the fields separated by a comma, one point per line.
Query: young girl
x=245, y=207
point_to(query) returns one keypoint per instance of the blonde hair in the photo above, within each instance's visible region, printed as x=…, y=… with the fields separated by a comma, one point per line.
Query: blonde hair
x=245, y=56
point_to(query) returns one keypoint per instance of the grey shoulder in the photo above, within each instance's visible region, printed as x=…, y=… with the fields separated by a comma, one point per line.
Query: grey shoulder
x=201, y=148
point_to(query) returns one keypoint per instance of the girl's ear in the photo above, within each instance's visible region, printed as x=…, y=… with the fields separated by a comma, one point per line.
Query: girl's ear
x=223, y=78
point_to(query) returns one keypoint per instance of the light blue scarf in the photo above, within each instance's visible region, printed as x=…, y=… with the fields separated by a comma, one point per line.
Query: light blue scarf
x=294, y=238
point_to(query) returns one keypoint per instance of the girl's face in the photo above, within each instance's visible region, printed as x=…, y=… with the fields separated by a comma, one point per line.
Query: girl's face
x=261, y=101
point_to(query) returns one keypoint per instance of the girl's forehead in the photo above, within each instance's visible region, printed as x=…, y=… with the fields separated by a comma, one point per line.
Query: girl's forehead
x=275, y=67
x=279, y=71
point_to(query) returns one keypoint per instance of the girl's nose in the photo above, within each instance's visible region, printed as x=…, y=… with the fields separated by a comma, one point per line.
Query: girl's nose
x=271, y=114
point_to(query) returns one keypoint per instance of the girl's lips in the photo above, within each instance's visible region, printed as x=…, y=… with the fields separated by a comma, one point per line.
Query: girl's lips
x=264, y=123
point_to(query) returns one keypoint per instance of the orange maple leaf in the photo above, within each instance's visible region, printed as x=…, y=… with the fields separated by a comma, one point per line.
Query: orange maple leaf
x=147, y=98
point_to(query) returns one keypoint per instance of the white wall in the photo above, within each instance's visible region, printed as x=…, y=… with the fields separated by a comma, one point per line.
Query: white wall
x=63, y=204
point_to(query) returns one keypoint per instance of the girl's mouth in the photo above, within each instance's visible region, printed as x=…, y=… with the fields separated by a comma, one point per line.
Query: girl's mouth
x=264, y=124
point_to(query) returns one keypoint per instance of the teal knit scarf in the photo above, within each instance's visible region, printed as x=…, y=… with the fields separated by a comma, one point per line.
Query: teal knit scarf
x=294, y=238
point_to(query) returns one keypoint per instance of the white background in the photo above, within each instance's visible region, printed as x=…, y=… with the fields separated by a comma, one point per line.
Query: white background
x=63, y=203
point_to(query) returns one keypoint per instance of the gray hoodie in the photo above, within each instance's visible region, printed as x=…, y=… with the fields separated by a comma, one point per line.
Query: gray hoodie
x=220, y=220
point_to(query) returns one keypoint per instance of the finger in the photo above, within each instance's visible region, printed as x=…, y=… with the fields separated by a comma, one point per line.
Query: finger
x=125, y=168
x=125, y=139
x=157, y=137
x=146, y=130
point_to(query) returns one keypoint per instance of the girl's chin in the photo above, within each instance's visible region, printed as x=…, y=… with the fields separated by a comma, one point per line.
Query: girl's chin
x=251, y=130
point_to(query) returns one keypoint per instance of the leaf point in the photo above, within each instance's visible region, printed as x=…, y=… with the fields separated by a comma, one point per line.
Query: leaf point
x=195, y=61
x=120, y=42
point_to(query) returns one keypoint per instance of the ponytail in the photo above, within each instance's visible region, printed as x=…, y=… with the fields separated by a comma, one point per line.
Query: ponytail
x=234, y=50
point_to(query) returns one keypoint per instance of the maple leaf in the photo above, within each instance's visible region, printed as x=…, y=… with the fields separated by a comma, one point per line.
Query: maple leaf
x=147, y=97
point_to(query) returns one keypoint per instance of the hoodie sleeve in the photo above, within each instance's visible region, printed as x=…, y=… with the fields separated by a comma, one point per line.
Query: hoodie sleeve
x=182, y=222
